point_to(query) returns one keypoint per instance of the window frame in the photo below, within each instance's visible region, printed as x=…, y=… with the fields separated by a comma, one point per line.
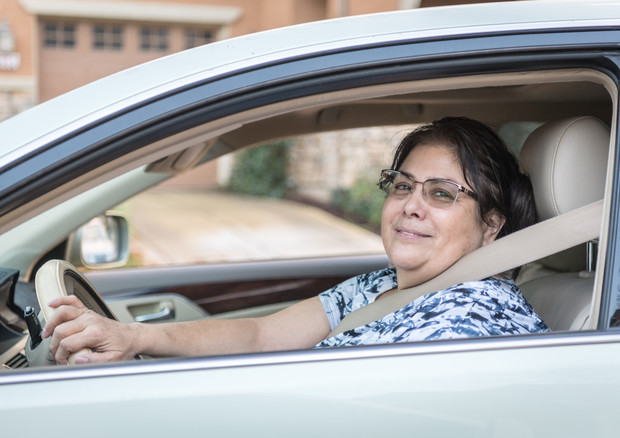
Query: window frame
x=175, y=111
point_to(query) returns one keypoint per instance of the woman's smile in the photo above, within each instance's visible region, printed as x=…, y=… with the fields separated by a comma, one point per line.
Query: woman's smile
x=411, y=233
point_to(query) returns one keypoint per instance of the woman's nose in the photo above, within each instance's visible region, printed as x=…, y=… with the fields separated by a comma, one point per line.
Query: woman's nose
x=415, y=205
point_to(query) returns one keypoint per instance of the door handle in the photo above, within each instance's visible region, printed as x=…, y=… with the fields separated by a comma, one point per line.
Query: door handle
x=166, y=313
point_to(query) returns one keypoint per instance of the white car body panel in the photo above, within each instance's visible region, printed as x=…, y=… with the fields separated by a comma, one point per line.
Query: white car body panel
x=496, y=390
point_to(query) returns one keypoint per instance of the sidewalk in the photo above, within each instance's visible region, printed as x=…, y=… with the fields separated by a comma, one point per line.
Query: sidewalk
x=185, y=227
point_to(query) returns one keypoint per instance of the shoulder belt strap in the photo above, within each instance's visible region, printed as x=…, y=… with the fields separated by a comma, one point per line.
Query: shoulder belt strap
x=521, y=247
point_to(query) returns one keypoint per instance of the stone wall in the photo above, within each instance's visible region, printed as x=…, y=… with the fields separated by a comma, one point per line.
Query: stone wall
x=322, y=163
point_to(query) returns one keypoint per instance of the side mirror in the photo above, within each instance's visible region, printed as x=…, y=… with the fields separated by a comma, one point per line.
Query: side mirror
x=102, y=242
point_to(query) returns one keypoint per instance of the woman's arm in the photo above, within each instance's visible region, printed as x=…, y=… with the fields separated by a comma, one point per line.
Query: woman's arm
x=73, y=327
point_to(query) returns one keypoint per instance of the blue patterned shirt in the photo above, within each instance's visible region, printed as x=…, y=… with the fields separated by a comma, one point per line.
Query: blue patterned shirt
x=494, y=306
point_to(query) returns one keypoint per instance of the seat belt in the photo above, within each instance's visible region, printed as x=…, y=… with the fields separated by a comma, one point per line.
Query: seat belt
x=518, y=248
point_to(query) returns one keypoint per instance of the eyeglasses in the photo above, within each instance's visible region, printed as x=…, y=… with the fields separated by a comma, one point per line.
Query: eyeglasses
x=437, y=192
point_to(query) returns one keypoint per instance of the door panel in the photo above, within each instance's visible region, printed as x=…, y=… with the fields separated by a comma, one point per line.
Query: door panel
x=234, y=286
x=522, y=386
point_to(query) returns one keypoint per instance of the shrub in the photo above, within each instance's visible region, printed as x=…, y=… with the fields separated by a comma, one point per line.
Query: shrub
x=261, y=171
x=362, y=203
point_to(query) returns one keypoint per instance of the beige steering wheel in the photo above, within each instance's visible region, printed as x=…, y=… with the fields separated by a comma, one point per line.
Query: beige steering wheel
x=58, y=278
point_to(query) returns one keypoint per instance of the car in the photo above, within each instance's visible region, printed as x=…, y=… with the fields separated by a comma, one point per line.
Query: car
x=544, y=74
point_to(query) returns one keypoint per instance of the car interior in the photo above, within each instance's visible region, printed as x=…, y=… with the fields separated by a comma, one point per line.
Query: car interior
x=553, y=155
x=557, y=122
x=569, y=113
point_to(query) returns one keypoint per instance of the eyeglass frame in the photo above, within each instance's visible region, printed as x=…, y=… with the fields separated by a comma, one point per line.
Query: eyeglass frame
x=384, y=180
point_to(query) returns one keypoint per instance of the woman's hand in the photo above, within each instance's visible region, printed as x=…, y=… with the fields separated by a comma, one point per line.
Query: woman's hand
x=73, y=327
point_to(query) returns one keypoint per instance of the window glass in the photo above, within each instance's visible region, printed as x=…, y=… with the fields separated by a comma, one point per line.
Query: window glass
x=515, y=134
x=197, y=37
x=154, y=39
x=59, y=35
x=310, y=196
x=107, y=37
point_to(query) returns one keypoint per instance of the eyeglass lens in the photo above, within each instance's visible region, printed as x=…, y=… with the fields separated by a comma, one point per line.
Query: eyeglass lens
x=436, y=192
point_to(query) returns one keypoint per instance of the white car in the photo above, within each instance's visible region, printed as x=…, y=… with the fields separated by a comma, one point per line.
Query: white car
x=518, y=66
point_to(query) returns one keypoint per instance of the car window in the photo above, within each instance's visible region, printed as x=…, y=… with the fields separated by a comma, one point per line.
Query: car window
x=308, y=196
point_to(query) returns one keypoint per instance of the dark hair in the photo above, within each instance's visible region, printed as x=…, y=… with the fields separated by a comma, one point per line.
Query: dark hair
x=488, y=166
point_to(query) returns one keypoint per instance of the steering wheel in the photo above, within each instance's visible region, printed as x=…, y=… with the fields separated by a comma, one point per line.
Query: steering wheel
x=58, y=278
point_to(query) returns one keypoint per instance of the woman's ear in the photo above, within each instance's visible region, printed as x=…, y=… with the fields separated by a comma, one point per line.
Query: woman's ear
x=494, y=223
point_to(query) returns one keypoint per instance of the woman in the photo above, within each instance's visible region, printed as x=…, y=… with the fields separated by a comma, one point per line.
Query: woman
x=453, y=187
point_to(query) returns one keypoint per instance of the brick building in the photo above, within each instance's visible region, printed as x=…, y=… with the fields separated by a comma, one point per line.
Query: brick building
x=48, y=47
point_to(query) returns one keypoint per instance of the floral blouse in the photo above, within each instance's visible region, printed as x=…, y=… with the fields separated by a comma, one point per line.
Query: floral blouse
x=493, y=306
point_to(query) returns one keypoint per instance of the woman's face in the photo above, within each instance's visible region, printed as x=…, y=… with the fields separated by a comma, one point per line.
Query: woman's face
x=423, y=241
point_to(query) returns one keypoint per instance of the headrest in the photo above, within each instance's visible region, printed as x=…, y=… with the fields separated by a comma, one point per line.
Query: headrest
x=567, y=162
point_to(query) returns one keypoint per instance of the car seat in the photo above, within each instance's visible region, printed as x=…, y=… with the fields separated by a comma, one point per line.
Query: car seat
x=567, y=162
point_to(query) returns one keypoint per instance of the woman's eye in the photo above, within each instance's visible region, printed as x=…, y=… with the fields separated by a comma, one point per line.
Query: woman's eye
x=442, y=195
x=402, y=187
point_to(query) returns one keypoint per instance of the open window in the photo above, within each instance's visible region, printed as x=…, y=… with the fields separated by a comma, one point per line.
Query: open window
x=328, y=128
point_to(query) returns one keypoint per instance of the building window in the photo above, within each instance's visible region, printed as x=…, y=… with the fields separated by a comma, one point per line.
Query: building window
x=196, y=37
x=107, y=37
x=61, y=35
x=154, y=39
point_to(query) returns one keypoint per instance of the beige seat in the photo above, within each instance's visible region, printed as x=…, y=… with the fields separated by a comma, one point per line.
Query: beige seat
x=567, y=162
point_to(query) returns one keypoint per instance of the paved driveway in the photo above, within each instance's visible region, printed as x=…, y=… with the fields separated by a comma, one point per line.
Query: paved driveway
x=178, y=227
